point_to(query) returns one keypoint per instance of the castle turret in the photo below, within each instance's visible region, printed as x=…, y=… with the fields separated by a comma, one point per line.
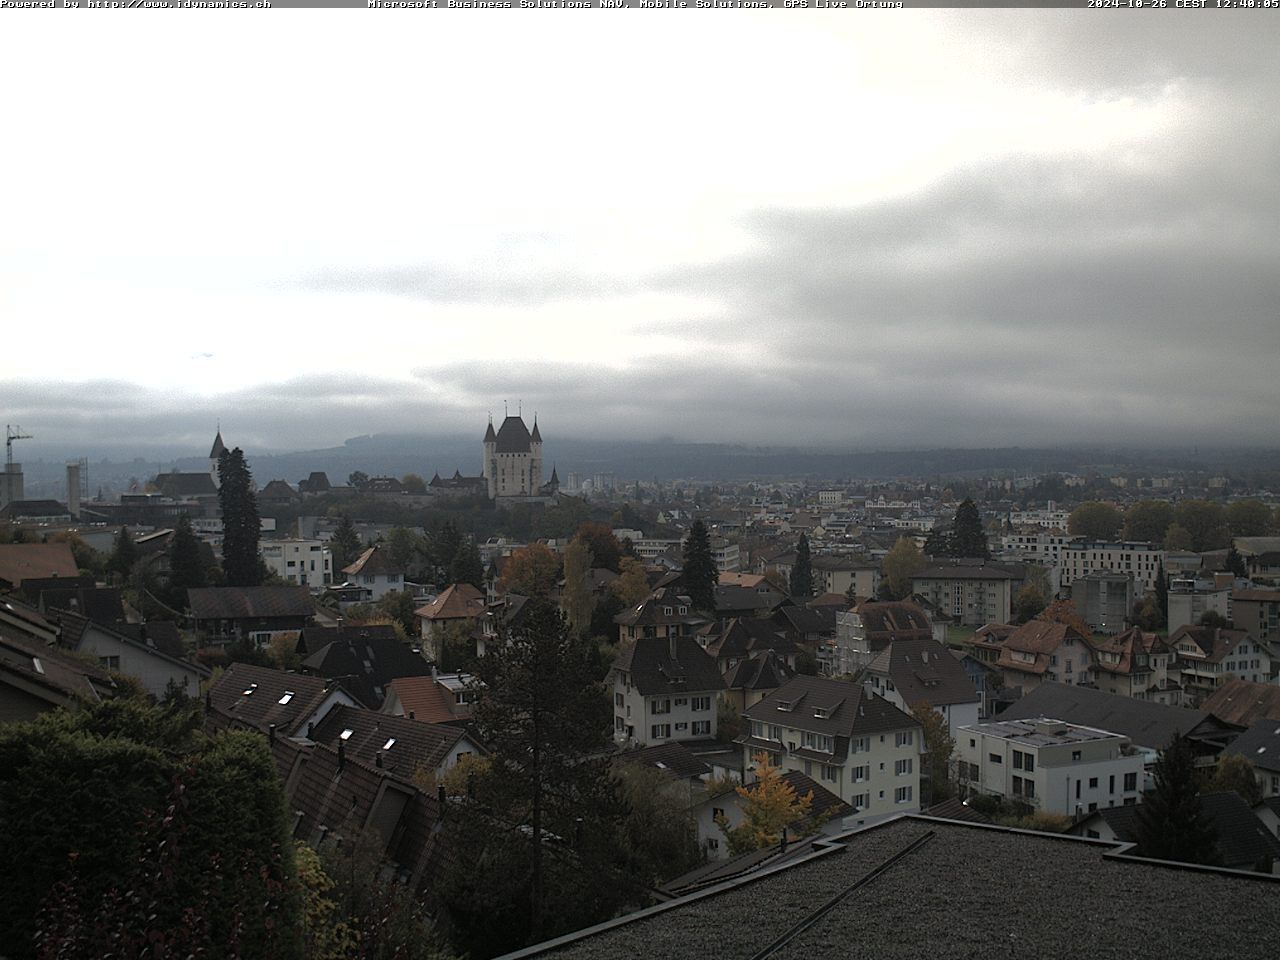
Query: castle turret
x=216, y=451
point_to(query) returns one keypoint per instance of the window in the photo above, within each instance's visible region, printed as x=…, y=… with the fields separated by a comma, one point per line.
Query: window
x=1075, y=756
x=713, y=843
x=717, y=813
x=905, y=738
x=698, y=704
x=1093, y=783
x=1029, y=788
x=1017, y=760
x=1017, y=786
x=830, y=774
x=702, y=728
x=1111, y=783
x=859, y=743
x=902, y=767
x=681, y=701
x=902, y=795
x=111, y=663
x=660, y=731
x=995, y=758
x=617, y=699
x=1029, y=762
x=681, y=727
x=660, y=706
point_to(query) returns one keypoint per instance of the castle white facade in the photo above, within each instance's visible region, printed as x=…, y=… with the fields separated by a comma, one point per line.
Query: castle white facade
x=513, y=459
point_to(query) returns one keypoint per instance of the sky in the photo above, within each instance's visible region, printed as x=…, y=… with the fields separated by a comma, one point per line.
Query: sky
x=859, y=229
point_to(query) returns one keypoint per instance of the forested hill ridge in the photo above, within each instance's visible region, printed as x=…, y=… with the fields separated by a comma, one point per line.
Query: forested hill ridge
x=666, y=459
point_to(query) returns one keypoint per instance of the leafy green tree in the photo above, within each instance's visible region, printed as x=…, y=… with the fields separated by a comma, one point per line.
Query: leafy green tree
x=402, y=547
x=1205, y=522
x=1147, y=520
x=186, y=564
x=124, y=554
x=1095, y=520
x=632, y=585
x=968, y=538
x=1214, y=620
x=658, y=835
x=1028, y=603
x=1171, y=824
x=358, y=479
x=414, y=484
x=539, y=846
x=1177, y=537
x=345, y=544
x=1234, y=772
x=939, y=745
x=1234, y=563
x=903, y=561
x=398, y=606
x=1248, y=518
x=442, y=547
x=700, y=572
x=153, y=839
x=241, y=527
x=802, y=571
x=466, y=566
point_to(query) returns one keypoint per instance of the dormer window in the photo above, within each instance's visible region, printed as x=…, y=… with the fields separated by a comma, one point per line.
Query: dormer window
x=786, y=706
x=684, y=610
x=821, y=713
x=666, y=611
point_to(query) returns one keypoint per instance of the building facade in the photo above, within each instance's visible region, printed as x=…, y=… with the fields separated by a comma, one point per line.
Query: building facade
x=308, y=563
x=1141, y=560
x=513, y=459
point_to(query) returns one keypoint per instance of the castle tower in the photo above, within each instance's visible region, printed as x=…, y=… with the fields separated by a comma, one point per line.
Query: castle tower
x=490, y=471
x=513, y=459
x=535, y=459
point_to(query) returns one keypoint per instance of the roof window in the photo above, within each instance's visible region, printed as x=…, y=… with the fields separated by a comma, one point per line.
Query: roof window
x=288, y=695
x=391, y=742
x=248, y=691
x=346, y=734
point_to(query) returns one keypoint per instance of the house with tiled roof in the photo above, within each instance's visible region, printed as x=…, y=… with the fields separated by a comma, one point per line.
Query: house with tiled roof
x=665, y=612
x=375, y=571
x=396, y=744
x=278, y=492
x=263, y=699
x=727, y=807
x=251, y=614
x=1135, y=663
x=872, y=625
x=1244, y=702
x=27, y=561
x=735, y=640
x=366, y=666
x=664, y=688
x=1041, y=650
x=1260, y=745
x=1209, y=656
x=912, y=673
x=119, y=648
x=751, y=680
x=36, y=677
x=438, y=698
x=458, y=603
x=858, y=745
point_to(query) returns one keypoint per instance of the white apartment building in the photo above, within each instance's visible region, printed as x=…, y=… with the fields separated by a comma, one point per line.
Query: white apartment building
x=1141, y=560
x=664, y=688
x=858, y=745
x=1190, y=598
x=1045, y=548
x=1050, y=518
x=1050, y=765
x=308, y=563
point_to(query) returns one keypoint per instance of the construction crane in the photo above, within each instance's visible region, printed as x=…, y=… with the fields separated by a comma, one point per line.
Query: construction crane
x=11, y=434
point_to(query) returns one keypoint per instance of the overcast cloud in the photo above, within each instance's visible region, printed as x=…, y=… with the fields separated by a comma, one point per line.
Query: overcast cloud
x=960, y=228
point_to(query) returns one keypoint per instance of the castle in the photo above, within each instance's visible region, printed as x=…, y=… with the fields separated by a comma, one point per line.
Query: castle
x=512, y=466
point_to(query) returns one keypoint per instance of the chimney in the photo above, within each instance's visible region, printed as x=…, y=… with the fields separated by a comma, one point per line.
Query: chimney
x=271, y=733
x=311, y=728
x=782, y=843
x=377, y=759
x=342, y=754
x=411, y=716
x=440, y=796
x=671, y=643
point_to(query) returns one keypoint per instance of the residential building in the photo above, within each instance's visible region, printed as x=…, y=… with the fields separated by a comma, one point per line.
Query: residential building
x=839, y=574
x=1190, y=598
x=308, y=563
x=824, y=807
x=376, y=572
x=1141, y=560
x=1243, y=702
x=160, y=671
x=749, y=681
x=663, y=613
x=664, y=688
x=1040, y=547
x=972, y=593
x=857, y=745
x=458, y=603
x=1208, y=656
x=34, y=561
x=1042, y=650
x=726, y=554
x=439, y=698
x=1104, y=599
x=366, y=666
x=36, y=678
x=264, y=699
x=1136, y=664
x=250, y=614
x=1048, y=764
x=872, y=625
x=1257, y=611
x=915, y=673
x=1260, y=745
x=395, y=744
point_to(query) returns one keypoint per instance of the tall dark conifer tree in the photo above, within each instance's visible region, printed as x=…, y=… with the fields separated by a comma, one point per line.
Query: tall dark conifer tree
x=345, y=544
x=1171, y=824
x=240, y=524
x=186, y=565
x=700, y=573
x=802, y=571
x=968, y=538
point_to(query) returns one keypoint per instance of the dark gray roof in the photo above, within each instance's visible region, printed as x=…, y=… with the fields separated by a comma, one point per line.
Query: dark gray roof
x=903, y=908
x=924, y=671
x=1260, y=745
x=762, y=671
x=654, y=673
x=181, y=485
x=673, y=757
x=415, y=743
x=851, y=710
x=1145, y=723
x=513, y=436
x=367, y=665
x=253, y=694
x=234, y=603
x=955, y=570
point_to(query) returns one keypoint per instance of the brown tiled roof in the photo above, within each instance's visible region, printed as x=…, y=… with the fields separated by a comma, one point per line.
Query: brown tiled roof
x=23, y=561
x=367, y=666
x=923, y=671
x=316, y=637
x=675, y=758
x=1127, y=645
x=824, y=803
x=65, y=677
x=460, y=601
x=762, y=671
x=252, y=695
x=278, y=490
x=956, y=809
x=738, y=638
x=374, y=561
x=1038, y=637
x=894, y=620
x=1215, y=642
x=236, y=603
x=405, y=744
x=1243, y=702
x=652, y=611
x=1262, y=596
x=427, y=700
